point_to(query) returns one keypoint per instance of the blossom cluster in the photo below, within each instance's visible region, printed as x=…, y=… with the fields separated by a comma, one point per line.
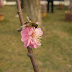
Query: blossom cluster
x=31, y=37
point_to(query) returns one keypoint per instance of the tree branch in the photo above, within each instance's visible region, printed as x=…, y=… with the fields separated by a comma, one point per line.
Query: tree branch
x=20, y=12
x=30, y=52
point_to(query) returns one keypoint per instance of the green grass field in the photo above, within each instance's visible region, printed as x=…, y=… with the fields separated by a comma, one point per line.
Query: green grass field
x=55, y=54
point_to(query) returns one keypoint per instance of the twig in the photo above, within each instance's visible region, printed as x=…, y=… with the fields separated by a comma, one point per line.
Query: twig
x=30, y=52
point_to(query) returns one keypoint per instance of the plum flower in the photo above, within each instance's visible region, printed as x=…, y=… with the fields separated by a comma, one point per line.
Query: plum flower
x=36, y=22
x=30, y=37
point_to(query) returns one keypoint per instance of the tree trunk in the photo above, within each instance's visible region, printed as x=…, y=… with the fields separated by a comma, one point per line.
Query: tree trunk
x=33, y=9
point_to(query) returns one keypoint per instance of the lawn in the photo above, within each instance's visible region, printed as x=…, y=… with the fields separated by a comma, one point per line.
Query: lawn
x=55, y=54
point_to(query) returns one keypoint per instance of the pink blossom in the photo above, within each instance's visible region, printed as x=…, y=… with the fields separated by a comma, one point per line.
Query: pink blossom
x=30, y=37
x=36, y=22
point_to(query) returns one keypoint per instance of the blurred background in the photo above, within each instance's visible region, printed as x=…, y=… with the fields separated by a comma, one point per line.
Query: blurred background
x=55, y=19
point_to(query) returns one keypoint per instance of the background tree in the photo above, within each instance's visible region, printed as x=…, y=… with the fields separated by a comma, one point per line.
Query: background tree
x=33, y=9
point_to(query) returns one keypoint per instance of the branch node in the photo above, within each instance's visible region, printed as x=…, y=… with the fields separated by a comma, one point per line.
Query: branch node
x=29, y=55
x=18, y=12
x=19, y=29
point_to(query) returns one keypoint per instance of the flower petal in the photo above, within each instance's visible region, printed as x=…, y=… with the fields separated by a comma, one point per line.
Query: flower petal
x=30, y=37
x=36, y=22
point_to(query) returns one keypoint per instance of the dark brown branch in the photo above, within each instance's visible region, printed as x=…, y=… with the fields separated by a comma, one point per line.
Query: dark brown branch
x=30, y=52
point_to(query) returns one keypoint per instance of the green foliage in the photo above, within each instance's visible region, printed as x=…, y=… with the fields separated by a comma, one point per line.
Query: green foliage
x=55, y=54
